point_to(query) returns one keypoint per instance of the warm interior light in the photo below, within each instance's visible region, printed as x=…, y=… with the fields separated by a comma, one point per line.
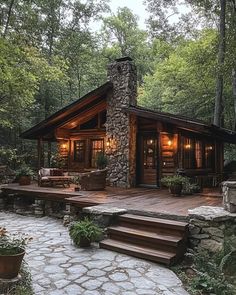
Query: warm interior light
x=108, y=143
x=188, y=146
x=63, y=145
x=169, y=142
x=151, y=141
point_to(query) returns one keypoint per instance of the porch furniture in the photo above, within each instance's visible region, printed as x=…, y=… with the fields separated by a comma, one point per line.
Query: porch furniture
x=94, y=180
x=52, y=177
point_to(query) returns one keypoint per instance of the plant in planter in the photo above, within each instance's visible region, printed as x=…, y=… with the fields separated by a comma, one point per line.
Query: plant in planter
x=76, y=181
x=12, y=251
x=84, y=232
x=190, y=188
x=174, y=183
x=101, y=160
x=24, y=175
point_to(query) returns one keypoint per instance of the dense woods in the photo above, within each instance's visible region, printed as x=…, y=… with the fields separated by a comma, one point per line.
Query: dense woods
x=51, y=55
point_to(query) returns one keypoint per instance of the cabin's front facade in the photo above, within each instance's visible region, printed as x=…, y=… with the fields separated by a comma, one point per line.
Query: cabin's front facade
x=142, y=145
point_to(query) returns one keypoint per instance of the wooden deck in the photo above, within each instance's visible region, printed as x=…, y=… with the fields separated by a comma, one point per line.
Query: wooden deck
x=152, y=202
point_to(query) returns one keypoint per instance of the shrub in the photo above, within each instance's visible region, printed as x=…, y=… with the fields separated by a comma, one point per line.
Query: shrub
x=84, y=229
x=174, y=180
x=101, y=160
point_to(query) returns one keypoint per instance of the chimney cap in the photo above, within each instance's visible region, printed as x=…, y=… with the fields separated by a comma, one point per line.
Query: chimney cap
x=124, y=58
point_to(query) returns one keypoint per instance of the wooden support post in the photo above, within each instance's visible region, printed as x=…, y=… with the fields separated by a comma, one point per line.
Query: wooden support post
x=69, y=155
x=39, y=149
x=49, y=153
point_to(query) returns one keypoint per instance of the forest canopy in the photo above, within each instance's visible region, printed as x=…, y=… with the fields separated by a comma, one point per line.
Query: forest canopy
x=51, y=56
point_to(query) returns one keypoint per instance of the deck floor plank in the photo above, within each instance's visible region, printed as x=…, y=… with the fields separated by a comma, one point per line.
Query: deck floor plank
x=136, y=199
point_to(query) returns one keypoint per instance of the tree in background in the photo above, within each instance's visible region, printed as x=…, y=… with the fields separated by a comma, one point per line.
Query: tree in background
x=121, y=36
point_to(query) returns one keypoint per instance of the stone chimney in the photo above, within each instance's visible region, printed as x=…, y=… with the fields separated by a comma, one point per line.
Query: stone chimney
x=121, y=126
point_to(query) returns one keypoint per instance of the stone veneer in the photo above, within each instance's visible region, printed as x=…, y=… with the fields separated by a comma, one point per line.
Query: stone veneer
x=229, y=196
x=120, y=126
x=210, y=227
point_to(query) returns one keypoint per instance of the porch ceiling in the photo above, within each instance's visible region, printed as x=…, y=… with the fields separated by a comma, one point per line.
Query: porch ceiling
x=85, y=116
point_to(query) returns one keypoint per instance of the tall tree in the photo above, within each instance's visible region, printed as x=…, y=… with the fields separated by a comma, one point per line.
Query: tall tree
x=218, y=113
x=122, y=37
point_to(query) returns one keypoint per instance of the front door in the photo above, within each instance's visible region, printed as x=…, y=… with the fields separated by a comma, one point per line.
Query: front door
x=148, y=164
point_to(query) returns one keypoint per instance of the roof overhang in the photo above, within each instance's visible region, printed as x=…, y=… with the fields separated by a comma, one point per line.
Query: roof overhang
x=47, y=127
x=185, y=123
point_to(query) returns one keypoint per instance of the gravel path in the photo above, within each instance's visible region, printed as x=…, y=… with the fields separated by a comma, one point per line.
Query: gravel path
x=59, y=268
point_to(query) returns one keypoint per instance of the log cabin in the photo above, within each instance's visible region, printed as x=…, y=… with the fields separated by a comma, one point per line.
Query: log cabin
x=141, y=145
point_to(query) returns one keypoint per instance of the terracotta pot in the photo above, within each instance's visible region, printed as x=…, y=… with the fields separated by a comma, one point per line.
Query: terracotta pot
x=10, y=265
x=84, y=242
x=24, y=180
x=176, y=189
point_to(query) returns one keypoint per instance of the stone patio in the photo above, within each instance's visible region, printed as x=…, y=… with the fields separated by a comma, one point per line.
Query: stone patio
x=58, y=268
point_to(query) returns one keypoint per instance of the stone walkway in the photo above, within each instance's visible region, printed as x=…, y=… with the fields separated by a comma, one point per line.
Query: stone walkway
x=58, y=268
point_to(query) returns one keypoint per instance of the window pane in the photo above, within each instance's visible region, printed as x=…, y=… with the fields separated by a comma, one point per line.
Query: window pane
x=209, y=155
x=79, y=151
x=198, y=154
x=188, y=152
x=97, y=146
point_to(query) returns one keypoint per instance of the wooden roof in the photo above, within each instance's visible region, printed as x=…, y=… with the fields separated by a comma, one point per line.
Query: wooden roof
x=46, y=127
x=77, y=111
x=185, y=123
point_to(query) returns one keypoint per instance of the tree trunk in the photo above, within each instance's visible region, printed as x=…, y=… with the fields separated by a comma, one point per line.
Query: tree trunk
x=8, y=18
x=234, y=94
x=220, y=77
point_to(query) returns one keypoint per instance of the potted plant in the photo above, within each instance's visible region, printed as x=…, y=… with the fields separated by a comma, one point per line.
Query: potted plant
x=76, y=181
x=84, y=232
x=12, y=251
x=101, y=161
x=24, y=174
x=174, y=183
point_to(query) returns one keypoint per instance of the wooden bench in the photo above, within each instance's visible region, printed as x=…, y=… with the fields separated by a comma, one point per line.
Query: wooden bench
x=53, y=176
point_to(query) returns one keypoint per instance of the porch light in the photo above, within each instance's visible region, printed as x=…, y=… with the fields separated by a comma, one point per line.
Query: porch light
x=63, y=145
x=108, y=143
x=188, y=146
x=169, y=142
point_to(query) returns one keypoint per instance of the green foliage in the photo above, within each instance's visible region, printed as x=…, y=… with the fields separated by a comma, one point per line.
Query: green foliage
x=24, y=170
x=11, y=244
x=209, y=276
x=121, y=36
x=211, y=273
x=184, y=81
x=57, y=161
x=84, y=229
x=101, y=160
x=174, y=180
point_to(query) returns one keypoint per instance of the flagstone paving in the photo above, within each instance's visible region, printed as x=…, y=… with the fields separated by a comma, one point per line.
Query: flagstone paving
x=59, y=268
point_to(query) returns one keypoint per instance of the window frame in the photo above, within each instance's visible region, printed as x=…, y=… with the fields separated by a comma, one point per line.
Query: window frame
x=93, y=157
x=76, y=151
x=193, y=159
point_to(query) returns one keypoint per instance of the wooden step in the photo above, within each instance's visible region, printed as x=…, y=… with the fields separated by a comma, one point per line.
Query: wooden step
x=167, y=258
x=152, y=223
x=147, y=239
x=147, y=236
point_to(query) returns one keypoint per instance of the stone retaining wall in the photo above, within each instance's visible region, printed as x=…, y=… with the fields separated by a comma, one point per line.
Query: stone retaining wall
x=211, y=227
x=229, y=195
